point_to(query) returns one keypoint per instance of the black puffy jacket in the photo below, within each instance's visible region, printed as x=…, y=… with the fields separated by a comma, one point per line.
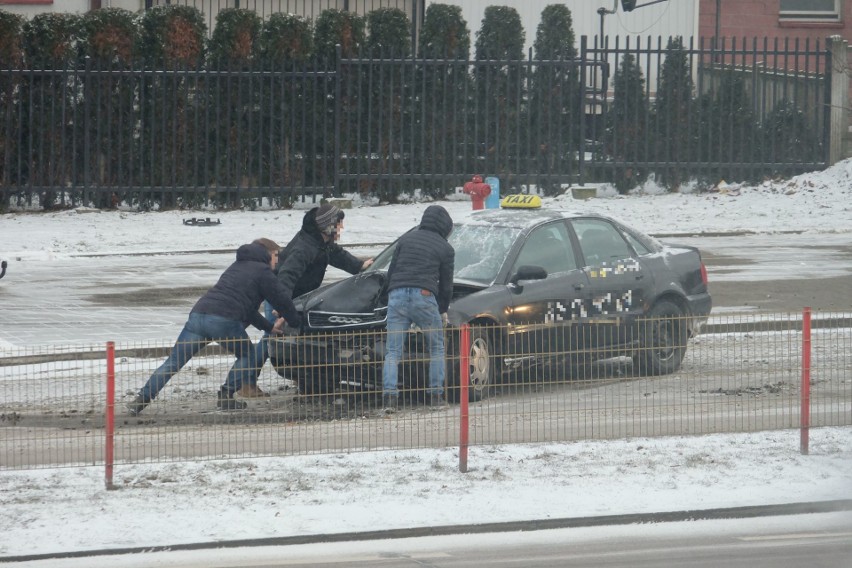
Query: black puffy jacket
x=243, y=286
x=303, y=262
x=424, y=259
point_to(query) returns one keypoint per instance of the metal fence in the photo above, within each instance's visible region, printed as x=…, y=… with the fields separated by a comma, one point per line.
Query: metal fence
x=383, y=125
x=744, y=373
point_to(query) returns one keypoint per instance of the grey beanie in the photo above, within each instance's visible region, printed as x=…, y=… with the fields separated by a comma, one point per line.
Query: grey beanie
x=327, y=217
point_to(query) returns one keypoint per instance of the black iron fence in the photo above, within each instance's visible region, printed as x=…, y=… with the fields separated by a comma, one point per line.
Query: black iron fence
x=381, y=125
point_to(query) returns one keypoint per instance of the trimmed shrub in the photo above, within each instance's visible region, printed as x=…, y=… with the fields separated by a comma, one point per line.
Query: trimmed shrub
x=627, y=123
x=389, y=32
x=285, y=37
x=672, y=113
x=11, y=57
x=788, y=136
x=443, y=125
x=335, y=27
x=289, y=109
x=554, y=99
x=52, y=41
x=384, y=101
x=234, y=49
x=110, y=41
x=346, y=29
x=173, y=37
x=444, y=33
x=500, y=91
x=172, y=146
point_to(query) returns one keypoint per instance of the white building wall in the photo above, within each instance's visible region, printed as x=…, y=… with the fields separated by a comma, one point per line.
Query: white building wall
x=69, y=6
x=669, y=18
x=665, y=19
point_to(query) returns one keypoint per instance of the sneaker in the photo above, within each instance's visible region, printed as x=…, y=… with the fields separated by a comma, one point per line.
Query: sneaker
x=137, y=405
x=226, y=401
x=252, y=391
x=390, y=402
x=437, y=401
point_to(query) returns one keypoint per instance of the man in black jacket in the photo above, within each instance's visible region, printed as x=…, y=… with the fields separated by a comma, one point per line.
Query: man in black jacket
x=221, y=315
x=302, y=265
x=420, y=287
x=303, y=262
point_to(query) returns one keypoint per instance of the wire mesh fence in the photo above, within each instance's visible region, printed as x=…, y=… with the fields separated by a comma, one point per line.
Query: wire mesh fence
x=322, y=393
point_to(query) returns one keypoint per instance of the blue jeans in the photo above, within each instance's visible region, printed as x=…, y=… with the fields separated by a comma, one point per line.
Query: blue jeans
x=407, y=306
x=261, y=350
x=199, y=331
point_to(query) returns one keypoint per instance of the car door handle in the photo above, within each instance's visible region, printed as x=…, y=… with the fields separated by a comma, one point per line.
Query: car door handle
x=579, y=286
x=640, y=276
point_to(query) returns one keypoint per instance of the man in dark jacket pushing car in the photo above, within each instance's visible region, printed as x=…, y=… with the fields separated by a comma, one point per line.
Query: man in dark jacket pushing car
x=301, y=269
x=420, y=287
x=221, y=315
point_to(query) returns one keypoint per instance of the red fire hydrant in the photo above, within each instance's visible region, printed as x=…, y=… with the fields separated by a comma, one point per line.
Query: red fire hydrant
x=478, y=191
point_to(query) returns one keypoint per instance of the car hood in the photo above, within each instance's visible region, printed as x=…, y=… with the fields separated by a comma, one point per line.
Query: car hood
x=359, y=301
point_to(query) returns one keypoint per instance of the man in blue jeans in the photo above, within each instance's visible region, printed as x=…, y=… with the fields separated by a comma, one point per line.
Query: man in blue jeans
x=221, y=315
x=420, y=287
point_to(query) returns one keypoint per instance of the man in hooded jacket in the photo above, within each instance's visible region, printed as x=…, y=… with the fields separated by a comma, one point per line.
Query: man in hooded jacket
x=420, y=287
x=221, y=315
x=301, y=269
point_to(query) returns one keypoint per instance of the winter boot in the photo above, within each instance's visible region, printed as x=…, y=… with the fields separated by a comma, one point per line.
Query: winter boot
x=390, y=403
x=252, y=391
x=137, y=405
x=225, y=401
x=437, y=401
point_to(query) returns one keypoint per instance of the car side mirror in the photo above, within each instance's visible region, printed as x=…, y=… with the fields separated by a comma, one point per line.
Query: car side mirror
x=527, y=272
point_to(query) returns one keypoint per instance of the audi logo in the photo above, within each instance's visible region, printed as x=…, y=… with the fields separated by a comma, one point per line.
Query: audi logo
x=342, y=319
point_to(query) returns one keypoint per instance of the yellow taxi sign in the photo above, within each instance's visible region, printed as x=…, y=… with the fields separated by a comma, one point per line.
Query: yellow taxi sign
x=521, y=201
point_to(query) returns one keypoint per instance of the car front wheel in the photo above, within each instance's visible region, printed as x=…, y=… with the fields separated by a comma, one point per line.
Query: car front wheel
x=481, y=365
x=662, y=337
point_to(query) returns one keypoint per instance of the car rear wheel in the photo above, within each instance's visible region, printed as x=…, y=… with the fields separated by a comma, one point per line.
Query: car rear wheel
x=481, y=366
x=662, y=336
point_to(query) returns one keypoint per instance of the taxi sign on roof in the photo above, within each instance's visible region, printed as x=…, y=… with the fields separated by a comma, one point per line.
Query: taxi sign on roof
x=521, y=201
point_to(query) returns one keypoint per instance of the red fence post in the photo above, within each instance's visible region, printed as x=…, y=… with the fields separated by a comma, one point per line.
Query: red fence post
x=109, y=427
x=805, y=414
x=464, y=381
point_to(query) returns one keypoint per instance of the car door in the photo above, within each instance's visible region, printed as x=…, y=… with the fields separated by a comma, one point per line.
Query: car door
x=619, y=283
x=545, y=313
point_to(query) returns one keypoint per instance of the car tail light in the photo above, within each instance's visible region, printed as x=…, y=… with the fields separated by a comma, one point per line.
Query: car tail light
x=704, y=274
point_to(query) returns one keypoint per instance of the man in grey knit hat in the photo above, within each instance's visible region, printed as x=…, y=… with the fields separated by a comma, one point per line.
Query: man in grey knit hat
x=302, y=265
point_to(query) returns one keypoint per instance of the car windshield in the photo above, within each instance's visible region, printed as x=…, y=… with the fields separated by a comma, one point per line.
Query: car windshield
x=480, y=251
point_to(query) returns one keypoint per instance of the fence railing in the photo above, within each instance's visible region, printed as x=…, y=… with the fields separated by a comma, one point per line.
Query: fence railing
x=742, y=374
x=382, y=125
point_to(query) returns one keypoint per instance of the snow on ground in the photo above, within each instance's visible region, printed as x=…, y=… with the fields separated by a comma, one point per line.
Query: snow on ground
x=816, y=202
x=68, y=509
x=167, y=504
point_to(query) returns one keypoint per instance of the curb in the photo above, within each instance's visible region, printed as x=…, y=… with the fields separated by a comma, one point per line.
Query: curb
x=510, y=526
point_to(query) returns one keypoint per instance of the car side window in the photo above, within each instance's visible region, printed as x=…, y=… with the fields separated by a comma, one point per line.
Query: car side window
x=548, y=247
x=600, y=241
x=637, y=245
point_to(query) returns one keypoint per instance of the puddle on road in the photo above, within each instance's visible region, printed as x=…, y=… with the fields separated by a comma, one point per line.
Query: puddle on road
x=150, y=297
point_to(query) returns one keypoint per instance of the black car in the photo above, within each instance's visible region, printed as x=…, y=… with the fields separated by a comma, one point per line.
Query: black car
x=533, y=284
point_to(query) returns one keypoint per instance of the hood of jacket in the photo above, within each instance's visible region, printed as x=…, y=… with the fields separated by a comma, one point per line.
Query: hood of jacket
x=309, y=225
x=253, y=252
x=437, y=220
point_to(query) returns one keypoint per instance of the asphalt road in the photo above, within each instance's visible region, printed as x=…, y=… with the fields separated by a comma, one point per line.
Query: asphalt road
x=778, y=273
x=146, y=298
